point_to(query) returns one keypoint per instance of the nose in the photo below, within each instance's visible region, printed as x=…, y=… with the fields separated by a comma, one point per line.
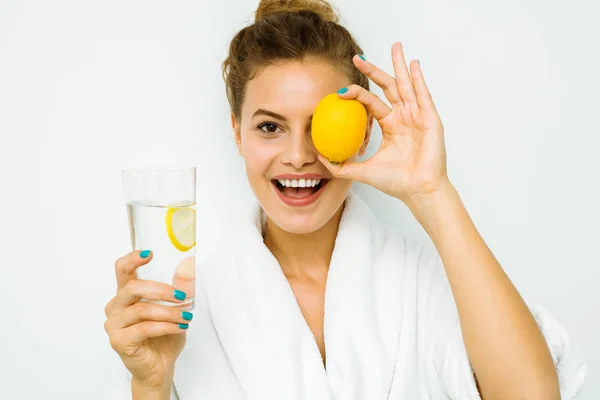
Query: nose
x=300, y=150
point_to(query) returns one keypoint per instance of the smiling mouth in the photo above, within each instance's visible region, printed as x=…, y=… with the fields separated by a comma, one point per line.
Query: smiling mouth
x=300, y=189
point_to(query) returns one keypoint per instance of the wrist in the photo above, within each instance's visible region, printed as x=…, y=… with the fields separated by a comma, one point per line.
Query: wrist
x=430, y=208
x=141, y=390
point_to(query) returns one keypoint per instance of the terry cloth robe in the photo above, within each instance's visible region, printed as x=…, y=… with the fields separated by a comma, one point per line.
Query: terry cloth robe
x=391, y=326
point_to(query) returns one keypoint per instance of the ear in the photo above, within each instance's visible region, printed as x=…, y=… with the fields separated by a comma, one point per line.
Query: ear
x=237, y=134
x=363, y=148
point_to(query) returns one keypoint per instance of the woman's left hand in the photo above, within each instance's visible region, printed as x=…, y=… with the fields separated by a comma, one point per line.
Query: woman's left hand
x=412, y=158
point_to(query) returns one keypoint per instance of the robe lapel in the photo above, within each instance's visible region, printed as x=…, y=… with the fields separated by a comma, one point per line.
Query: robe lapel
x=362, y=307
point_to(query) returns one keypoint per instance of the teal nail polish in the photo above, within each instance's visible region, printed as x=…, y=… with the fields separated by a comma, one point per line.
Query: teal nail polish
x=362, y=57
x=187, y=315
x=183, y=326
x=342, y=90
x=179, y=295
x=145, y=253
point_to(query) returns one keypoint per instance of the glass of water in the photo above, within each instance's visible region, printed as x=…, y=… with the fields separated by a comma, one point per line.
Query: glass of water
x=161, y=206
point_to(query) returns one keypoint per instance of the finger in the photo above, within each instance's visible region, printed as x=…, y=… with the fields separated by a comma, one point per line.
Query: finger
x=135, y=334
x=149, y=329
x=423, y=95
x=143, y=311
x=348, y=169
x=403, y=79
x=381, y=79
x=184, y=276
x=137, y=289
x=125, y=266
x=374, y=105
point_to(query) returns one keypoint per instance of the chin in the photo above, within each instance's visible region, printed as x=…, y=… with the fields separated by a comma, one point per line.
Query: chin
x=302, y=216
x=298, y=224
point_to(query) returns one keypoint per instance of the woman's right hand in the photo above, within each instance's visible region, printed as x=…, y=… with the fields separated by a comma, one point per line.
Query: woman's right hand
x=148, y=337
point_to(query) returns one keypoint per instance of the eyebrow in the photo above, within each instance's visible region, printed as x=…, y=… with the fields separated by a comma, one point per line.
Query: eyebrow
x=262, y=111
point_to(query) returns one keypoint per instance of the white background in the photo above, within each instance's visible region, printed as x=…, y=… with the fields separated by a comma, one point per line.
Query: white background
x=89, y=88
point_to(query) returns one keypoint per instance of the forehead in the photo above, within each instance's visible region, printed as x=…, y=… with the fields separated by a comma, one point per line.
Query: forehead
x=292, y=86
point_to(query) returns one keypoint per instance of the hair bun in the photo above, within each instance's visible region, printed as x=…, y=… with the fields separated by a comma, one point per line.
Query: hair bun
x=320, y=7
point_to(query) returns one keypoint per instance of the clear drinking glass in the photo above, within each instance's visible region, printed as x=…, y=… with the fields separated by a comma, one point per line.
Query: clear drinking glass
x=161, y=206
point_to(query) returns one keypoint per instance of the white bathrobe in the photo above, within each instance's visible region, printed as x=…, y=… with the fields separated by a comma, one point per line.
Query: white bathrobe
x=391, y=327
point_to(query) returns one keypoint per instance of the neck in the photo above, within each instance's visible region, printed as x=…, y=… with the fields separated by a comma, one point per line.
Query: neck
x=303, y=255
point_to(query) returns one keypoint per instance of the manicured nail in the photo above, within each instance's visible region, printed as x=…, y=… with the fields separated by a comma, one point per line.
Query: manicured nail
x=183, y=326
x=187, y=315
x=342, y=90
x=179, y=295
x=145, y=253
x=362, y=57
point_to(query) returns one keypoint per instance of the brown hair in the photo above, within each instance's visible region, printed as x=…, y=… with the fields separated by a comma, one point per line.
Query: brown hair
x=288, y=30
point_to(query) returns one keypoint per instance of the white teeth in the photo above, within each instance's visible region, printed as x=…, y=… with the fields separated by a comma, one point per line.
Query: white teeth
x=299, y=182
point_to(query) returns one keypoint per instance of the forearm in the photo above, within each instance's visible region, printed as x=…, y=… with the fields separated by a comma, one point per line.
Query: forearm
x=142, y=392
x=506, y=348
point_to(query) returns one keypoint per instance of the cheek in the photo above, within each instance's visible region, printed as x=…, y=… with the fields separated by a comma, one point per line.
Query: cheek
x=341, y=187
x=259, y=155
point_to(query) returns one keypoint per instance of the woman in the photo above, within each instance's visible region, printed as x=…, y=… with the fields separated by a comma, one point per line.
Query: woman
x=311, y=297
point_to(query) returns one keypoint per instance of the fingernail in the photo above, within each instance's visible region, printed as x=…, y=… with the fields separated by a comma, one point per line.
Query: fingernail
x=187, y=315
x=342, y=90
x=362, y=57
x=145, y=253
x=179, y=295
x=183, y=326
x=333, y=162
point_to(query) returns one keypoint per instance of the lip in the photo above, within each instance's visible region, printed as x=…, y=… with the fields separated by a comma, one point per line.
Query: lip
x=300, y=202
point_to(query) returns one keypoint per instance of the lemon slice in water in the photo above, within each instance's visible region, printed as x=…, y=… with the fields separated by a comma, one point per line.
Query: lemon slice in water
x=181, y=227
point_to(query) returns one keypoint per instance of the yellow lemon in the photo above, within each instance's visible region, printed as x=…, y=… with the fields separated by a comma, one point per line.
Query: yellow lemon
x=181, y=227
x=338, y=127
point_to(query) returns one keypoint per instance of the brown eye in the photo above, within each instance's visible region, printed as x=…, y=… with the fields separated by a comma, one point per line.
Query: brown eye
x=268, y=127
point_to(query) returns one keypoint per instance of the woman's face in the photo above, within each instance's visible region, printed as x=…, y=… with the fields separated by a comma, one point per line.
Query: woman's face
x=274, y=137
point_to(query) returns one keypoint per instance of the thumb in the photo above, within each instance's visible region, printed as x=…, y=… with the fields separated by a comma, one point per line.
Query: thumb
x=184, y=276
x=348, y=169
